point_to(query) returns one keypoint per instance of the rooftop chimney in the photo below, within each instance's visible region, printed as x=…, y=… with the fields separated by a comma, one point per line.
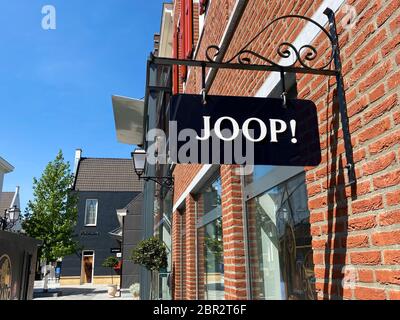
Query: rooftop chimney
x=15, y=200
x=78, y=155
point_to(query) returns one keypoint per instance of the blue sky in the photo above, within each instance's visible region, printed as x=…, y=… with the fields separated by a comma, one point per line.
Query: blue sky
x=56, y=85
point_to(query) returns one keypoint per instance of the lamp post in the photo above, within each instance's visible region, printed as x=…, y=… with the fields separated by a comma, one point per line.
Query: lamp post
x=11, y=216
x=139, y=165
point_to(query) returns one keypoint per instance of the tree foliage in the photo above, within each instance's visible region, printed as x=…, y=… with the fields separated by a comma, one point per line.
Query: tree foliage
x=110, y=262
x=150, y=253
x=52, y=214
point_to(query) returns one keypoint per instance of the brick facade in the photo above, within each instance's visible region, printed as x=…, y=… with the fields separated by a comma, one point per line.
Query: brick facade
x=356, y=226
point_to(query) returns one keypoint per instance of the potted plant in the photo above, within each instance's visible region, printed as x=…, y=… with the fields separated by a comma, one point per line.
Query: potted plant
x=135, y=290
x=111, y=262
x=152, y=254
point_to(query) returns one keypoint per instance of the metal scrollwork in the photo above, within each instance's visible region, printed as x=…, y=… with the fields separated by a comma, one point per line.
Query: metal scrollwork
x=286, y=50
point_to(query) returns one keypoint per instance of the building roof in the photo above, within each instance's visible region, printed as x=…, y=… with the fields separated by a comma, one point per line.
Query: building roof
x=5, y=201
x=5, y=166
x=106, y=174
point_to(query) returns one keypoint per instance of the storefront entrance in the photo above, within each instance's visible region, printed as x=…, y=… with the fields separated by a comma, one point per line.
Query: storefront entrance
x=87, y=267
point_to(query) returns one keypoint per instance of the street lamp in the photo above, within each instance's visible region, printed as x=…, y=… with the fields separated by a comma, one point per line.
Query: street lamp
x=11, y=216
x=139, y=165
x=139, y=161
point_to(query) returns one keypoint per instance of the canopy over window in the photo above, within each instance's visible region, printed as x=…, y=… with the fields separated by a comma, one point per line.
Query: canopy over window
x=128, y=116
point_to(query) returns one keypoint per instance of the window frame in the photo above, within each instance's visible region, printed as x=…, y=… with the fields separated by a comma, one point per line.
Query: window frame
x=97, y=209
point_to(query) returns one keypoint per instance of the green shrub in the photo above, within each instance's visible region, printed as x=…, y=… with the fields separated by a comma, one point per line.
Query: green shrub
x=110, y=262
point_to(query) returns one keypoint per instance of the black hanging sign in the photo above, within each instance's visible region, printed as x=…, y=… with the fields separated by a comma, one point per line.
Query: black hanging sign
x=243, y=130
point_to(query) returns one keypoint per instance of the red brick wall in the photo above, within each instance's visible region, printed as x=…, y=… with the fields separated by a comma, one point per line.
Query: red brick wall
x=359, y=226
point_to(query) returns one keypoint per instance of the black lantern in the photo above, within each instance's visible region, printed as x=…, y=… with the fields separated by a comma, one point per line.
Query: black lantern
x=139, y=161
x=11, y=216
x=139, y=165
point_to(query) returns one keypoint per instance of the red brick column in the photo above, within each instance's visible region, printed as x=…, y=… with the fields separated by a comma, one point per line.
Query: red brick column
x=178, y=251
x=200, y=251
x=233, y=234
x=190, y=252
x=256, y=277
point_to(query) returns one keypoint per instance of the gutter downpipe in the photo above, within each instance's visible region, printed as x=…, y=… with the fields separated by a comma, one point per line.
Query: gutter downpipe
x=231, y=27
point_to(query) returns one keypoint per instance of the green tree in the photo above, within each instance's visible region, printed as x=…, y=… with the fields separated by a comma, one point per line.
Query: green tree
x=110, y=262
x=152, y=254
x=52, y=215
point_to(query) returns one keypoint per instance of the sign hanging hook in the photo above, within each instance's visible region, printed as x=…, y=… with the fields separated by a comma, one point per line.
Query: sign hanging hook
x=203, y=83
x=284, y=93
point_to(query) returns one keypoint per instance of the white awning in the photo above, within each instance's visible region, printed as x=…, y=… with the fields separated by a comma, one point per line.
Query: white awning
x=116, y=234
x=128, y=116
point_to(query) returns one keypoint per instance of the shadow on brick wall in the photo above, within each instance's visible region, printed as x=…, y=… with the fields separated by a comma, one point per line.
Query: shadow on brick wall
x=337, y=213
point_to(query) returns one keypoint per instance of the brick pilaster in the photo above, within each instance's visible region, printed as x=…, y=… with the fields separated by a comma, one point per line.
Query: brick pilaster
x=233, y=236
x=190, y=252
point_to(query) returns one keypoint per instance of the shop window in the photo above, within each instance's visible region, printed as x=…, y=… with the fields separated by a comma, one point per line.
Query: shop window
x=279, y=242
x=210, y=242
x=91, y=212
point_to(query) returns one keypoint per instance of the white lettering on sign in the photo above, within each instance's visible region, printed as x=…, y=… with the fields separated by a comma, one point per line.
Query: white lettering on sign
x=276, y=126
x=217, y=129
x=263, y=128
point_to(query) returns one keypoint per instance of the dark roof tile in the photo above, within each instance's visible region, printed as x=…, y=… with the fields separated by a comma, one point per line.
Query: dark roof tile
x=107, y=174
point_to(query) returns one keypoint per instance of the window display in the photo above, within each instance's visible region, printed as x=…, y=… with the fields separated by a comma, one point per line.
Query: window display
x=280, y=243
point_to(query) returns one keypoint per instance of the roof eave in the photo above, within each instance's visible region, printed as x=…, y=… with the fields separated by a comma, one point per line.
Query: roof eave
x=5, y=166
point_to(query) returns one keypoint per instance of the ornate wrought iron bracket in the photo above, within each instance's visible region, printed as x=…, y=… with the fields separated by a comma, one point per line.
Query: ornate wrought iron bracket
x=167, y=182
x=341, y=97
x=301, y=58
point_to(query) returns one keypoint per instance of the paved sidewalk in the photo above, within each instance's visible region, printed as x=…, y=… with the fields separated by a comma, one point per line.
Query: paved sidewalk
x=83, y=292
